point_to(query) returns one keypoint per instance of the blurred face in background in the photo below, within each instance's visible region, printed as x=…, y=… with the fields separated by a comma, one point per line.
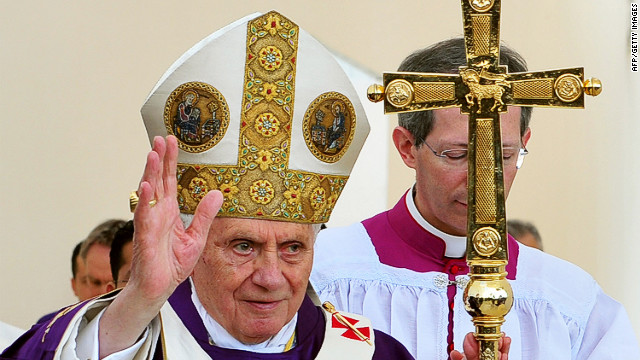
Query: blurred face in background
x=98, y=269
x=79, y=282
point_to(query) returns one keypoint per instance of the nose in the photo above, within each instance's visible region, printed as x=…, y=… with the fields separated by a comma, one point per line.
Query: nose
x=268, y=271
x=104, y=287
x=98, y=287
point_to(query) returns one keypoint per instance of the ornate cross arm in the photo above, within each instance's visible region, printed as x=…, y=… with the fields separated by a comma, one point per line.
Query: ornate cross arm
x=553, y=88
x=406, y=92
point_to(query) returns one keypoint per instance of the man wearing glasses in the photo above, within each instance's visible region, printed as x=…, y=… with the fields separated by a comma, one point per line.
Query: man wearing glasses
x=410, y=270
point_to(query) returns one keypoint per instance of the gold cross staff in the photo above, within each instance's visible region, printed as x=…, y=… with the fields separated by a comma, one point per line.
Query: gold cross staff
x=483, y=89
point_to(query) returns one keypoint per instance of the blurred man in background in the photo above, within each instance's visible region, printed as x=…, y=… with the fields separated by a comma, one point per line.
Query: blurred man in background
x=525, y=232
x=95, y=253
x=120, y=256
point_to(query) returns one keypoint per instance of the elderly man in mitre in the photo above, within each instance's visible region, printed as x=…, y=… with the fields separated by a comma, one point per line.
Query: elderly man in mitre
x=231, y=285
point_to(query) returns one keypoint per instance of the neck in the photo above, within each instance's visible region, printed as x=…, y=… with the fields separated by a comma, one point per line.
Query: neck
x=456, y=246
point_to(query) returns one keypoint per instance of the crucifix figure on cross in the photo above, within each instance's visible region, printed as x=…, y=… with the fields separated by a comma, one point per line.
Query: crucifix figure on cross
x=483, y=89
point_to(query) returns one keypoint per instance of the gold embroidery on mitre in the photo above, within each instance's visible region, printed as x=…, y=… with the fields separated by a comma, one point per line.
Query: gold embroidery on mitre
x=267, y=124
x=270, y=58
x=261, y=191
x=261, y=185
x=198, y=115
x=329, y=126
x=283, y=195
x=198, y=188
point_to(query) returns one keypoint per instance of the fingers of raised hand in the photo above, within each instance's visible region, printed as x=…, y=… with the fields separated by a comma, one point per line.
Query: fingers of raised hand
x=160, y=148
x=160, y=169
x=152, y=170
x=170, y=164
x=151, y=191
x=141, y=214
x=205, y=213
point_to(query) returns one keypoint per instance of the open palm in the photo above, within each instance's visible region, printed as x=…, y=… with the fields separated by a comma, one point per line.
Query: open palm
x=165, y=252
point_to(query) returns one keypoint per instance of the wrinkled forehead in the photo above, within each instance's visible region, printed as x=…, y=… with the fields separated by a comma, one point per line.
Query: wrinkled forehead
x=262, y=229
x=452, y=122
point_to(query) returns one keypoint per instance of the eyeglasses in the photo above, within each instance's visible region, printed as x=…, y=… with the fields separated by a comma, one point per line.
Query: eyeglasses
x=457, y=158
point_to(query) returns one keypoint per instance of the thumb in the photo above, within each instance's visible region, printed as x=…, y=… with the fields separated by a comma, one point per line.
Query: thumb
x=205, y=213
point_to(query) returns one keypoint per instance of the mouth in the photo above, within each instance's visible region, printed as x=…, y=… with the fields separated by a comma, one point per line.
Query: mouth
x=264, y=305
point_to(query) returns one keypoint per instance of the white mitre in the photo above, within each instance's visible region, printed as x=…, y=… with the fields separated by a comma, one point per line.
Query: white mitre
x=264, y=113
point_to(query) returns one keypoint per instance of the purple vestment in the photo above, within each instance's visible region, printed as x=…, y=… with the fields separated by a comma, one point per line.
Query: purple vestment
x=310, y=332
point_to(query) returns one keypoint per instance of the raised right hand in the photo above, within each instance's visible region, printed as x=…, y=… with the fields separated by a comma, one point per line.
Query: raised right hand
x=164, y=252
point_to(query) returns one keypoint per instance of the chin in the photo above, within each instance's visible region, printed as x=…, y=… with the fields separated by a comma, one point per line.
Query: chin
x=461, y=228
x=260, y=332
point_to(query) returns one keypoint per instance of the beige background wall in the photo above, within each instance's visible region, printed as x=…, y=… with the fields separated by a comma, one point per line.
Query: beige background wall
x=73, y=75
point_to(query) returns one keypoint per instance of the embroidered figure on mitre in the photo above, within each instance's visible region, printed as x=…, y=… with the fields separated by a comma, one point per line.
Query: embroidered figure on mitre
x=211, y=127
x=337, y=129
x=319, y=132
x=187, y=120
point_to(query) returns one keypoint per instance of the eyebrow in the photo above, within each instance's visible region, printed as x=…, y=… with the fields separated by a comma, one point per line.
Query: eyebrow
x=454, y=143
x=512, y=146
x=452, y=146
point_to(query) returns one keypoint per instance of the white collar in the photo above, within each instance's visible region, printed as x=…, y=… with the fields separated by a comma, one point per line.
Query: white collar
x=222, y=338
x=455, y=246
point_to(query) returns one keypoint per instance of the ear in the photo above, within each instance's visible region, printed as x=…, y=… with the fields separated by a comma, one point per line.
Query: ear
x=404, y=140
x=73, y=286
x=526, y=136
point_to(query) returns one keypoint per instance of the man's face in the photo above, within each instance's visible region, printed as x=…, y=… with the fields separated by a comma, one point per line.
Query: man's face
x=79, y=282
x=442, y=191
x=253, y=274
x=98, y=269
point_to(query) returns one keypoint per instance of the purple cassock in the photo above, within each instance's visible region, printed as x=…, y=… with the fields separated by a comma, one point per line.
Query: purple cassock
x=41, y=341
